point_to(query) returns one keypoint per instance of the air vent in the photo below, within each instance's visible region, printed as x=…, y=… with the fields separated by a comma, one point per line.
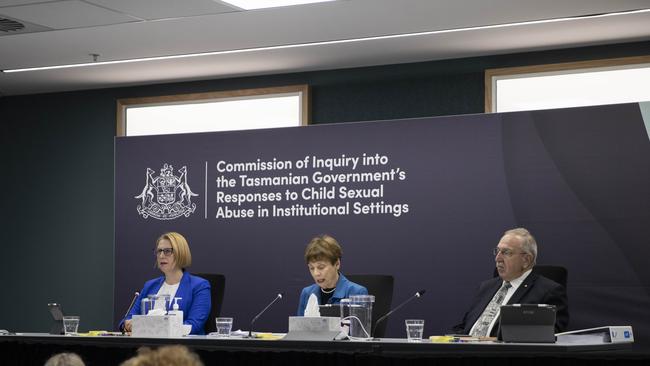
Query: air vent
x=8, y=25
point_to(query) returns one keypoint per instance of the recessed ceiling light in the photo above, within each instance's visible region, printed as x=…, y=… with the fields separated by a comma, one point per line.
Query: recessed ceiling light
x=260, y=4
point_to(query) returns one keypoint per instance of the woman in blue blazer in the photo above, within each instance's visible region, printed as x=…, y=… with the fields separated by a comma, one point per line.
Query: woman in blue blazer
x=323, y=257
x=172, y=257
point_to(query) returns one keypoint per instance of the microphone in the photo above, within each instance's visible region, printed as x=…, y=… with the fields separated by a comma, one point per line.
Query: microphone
x=135, y=296
x=381, y=318
x=277, y=297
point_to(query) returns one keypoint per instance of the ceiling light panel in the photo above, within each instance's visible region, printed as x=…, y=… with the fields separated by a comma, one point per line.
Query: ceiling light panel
x=261, y=4
x=66, y=14
x=163, y=9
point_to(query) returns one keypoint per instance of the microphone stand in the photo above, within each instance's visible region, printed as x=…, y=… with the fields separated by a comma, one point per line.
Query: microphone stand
x=250, y=331
x=135, y=296
x=417, y=295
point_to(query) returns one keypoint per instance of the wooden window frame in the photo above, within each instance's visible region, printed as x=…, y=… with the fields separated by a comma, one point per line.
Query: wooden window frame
x=124, y=103
x=490, y=74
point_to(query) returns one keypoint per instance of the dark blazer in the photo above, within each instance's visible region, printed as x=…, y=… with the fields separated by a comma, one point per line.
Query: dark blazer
x=535, y=289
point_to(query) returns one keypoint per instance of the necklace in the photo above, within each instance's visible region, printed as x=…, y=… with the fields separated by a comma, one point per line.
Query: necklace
x=327, y=292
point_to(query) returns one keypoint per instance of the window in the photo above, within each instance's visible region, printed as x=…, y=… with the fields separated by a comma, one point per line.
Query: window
x=218, y=111
x=623, y=80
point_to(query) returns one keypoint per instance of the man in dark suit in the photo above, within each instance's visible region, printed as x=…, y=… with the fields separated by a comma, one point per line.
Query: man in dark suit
x=515, y=256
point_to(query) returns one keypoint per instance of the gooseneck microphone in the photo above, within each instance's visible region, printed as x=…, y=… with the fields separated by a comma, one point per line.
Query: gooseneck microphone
x=277, y=297
x=135, y=296
x=383, y=317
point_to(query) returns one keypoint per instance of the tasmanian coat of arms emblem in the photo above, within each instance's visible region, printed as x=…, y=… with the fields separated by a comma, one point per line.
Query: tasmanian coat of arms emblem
x=166, y=196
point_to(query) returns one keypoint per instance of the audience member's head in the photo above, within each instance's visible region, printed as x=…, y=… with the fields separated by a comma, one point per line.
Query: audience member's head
x=164, y=356
x=65, y=359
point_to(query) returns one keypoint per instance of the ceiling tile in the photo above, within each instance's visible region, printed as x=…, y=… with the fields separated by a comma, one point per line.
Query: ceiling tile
x=162, y=9
x=338, y=20
x=66, y=14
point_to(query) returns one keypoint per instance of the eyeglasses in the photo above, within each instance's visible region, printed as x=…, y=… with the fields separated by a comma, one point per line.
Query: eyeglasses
x=505, y=252
x=166, y=251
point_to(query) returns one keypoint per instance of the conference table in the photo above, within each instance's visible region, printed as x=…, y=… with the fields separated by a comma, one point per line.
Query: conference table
x=35, y=348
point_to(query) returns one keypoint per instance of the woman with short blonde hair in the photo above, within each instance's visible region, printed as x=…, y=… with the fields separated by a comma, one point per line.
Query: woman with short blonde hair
x=173, y=256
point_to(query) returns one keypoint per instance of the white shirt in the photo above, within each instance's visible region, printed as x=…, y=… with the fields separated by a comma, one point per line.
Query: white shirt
x=166, y=289
x=514, y=286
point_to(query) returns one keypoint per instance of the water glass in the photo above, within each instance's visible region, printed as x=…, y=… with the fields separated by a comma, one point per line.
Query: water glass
x=361, y=316
x=70, y=325
x=414, y=330
x=224, y=327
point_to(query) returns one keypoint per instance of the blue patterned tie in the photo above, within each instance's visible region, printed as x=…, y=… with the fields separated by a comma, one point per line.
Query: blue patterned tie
x=490, y=312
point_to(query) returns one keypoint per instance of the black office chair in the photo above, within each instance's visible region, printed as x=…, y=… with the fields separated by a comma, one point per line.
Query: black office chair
x=217, y=287
x=558, y=274
x=381, y=286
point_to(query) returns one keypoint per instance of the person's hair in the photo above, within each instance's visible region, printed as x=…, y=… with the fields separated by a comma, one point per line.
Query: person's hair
x=528, y=243
x=65, y=359
x=181, y=249
x=175, y=355
x=323, y=247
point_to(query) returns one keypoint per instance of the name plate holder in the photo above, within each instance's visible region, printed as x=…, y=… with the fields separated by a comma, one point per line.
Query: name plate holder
x=156, y=326
x=306, y=328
